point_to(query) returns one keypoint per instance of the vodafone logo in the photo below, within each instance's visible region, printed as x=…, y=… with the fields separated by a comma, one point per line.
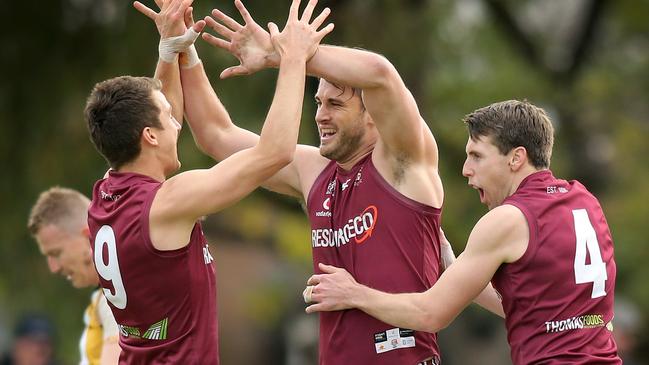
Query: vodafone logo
x=326, y=204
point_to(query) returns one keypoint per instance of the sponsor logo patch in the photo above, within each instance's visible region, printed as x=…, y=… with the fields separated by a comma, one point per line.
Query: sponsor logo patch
x=157, y=331
x=575, y=323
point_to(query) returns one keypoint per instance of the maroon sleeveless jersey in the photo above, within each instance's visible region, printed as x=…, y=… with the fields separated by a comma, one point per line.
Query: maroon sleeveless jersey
x=163, y=301
x=386, y=241
x=558, y=297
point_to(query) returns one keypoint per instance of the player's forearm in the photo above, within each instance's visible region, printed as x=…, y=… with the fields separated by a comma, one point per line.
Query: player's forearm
x=168, y=73
x=351, y=67
x=213, y=130
x=489, y=300
x=408, y=310
x=279, y=133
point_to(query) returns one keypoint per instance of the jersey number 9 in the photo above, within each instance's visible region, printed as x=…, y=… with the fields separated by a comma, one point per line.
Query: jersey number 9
x=109, y=269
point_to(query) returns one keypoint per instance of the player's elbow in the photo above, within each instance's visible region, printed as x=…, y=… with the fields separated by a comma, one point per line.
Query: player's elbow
x=276, y=156
x=284, y=157
x=384, y=73
x=433, y=318
x=432, y=322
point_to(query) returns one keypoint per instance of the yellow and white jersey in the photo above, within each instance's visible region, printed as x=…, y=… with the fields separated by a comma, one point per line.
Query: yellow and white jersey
x=100, y=326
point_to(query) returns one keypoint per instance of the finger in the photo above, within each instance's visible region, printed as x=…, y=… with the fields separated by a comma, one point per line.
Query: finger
x=314, y=280
x=308, y=11
x=234, y=71
x=293, y=11
x=313, y=308
x=215, y=41
x=244, y=12
x=324, y=31
x=231, y=23
x=173, y=5
x=272, y=28
x=177, y=8
x=145, y=10
x=219, y=28
x=198, y=27
x=329, y=269
x=189, y=17
x=184, y=5
x=317, y=22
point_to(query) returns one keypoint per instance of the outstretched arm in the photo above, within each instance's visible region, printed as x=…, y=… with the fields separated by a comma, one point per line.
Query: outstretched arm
x=499, y=237
x=385, y=95
x=216, y=134
x=488, y=298
x=405, y=139
x=177, y=34
x=187, y=196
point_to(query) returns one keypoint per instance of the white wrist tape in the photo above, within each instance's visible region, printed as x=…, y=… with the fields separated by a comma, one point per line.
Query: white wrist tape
x=169, y=48
x=189, y=57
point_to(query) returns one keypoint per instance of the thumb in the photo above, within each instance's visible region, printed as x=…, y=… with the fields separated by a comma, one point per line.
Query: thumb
x=234, y=71
x=329, y=269
x=314, y=308
x=199, y=26
x=272, y=27
x=189, y=17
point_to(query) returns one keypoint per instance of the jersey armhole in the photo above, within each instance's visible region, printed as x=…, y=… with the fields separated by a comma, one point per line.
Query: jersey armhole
x=532, y=227
x=146, y=231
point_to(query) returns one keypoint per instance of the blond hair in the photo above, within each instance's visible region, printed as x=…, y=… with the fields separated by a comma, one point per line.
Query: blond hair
x=63, y=207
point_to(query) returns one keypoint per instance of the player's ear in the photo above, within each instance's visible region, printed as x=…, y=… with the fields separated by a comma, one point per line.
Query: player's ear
x=518, y=158
x=149, y=136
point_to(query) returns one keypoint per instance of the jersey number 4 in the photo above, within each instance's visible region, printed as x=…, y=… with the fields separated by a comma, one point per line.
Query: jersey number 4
x=586, y=240
x=108, y=267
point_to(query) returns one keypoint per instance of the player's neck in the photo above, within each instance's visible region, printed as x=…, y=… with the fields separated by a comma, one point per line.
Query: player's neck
x=145, y=166
x=349, y=162
x=520, y=176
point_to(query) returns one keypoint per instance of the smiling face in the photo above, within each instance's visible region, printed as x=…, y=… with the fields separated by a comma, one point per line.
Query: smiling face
x=488, y=171
x=339, y=118
x=68, y=254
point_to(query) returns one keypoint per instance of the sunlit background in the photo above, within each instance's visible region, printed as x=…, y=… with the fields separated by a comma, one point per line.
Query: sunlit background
x=585, y=61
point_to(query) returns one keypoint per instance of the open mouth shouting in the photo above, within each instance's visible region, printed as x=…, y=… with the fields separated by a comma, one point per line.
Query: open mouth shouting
x=481, y=192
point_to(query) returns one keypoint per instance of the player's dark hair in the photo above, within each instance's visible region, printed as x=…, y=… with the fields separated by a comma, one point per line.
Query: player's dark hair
x=116, y=112
x=355, y=91
x=512, y=124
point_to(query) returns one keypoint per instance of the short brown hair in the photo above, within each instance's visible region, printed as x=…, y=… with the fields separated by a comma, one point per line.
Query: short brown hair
x=116, y=112
x=62, y=207
x=355, y=91
x=512, y=124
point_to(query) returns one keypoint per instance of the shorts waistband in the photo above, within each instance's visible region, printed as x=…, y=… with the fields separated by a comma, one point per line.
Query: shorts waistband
x=431, y=361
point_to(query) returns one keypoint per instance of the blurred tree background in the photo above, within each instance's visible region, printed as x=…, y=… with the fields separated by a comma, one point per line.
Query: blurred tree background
x=585, y=61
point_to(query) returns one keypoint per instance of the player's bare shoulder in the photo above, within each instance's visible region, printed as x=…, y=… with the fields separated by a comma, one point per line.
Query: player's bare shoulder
x=503, y=229
x=309, y=163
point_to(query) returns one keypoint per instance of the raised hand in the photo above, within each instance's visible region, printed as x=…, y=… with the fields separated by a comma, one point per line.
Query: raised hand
x=249, y=42
x=333, y=290
x=170, y=20
x=300, y=36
